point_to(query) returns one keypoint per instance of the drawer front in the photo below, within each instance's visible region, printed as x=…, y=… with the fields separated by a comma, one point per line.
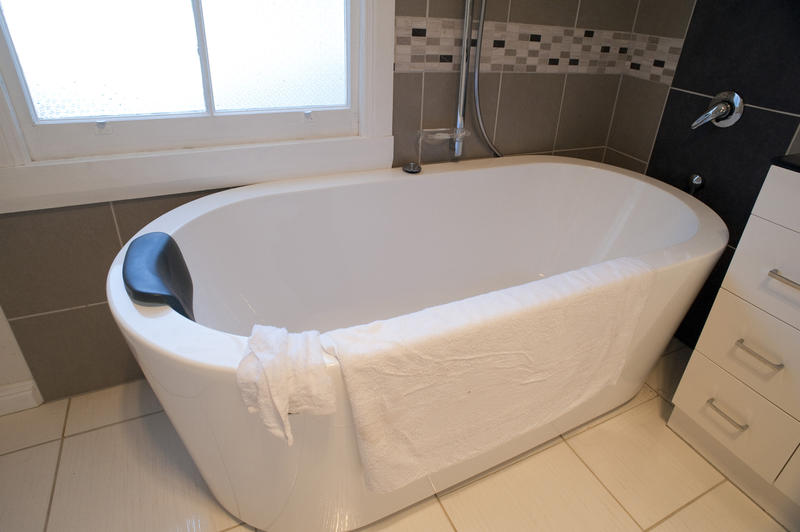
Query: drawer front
x=778, y=198
x=765, y=436
x=789, y=480
x=764, y=247
x=737, y=333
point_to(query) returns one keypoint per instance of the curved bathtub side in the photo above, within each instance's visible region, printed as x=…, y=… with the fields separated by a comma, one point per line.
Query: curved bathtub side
x=319, y=481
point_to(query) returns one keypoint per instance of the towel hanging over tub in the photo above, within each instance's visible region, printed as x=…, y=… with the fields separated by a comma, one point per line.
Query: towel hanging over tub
x=284, y=373
x=434, y=388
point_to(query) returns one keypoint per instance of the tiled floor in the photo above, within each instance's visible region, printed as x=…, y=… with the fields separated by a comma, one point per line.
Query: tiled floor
x=110, y=460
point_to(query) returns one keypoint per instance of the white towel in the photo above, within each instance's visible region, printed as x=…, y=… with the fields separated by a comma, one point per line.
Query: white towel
x=434, y=388
x=284, y=373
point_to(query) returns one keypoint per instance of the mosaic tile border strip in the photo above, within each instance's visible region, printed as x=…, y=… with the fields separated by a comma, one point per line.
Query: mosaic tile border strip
x=434, y=45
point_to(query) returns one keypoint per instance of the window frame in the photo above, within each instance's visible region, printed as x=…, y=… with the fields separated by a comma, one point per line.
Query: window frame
x=124, y=167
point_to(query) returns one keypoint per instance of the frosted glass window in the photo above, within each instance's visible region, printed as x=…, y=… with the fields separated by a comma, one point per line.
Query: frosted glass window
x=267, y=54
x=95, y=58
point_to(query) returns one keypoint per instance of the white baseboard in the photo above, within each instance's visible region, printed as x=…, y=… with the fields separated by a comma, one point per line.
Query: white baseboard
x=19, y=396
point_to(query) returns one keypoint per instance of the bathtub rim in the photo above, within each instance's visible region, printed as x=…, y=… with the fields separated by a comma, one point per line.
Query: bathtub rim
x=164, y=330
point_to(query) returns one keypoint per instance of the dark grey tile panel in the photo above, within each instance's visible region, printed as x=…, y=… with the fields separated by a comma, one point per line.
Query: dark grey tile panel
x=692, y=324
x=56, y=258
x=607, y=14
x=134, y=214
x=636, y=117
x=474, y=147
x=410, y=8
x=446, y=8
x=406, y=117
x=586, y=110
x=623, y=161
x=733, y=161
x=759, y=59
x=439, y=111
x=75, y=351
x=590, y=154
x=669, y=18
x=529, y=105
x=555, y=13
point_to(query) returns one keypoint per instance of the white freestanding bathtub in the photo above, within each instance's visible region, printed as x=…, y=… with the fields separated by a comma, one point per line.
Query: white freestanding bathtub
x=331, y=252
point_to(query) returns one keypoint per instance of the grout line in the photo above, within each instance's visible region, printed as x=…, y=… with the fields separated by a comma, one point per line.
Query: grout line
x=626, y=155
x=691, y=92
x=613, y=112
x=636, y=16
x=560, y=109
x=58, y=466
x=772, y=110
x=666, y=517
x=447, y=515
x=114, y=214
x=578, y=149
x=577, y=14
x=47, y=313
x=114, y=423
x=602, y=484
x=794, y=139
x=6, y=453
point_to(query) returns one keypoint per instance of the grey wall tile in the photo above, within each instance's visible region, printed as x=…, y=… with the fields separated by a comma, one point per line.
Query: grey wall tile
x=75, y=351
x=410, y=8
x=586, y=110
x=607, y=14
x=552, y=12
x=446, y=8
x=669, y=18
x=55, y=259
x=529, y=105
x=439, y=111
x=407, y=112
x=590, y=154
x=637, y=116
x=134, y=214
x=623, y=161
x=795, y=147
x=474, y=146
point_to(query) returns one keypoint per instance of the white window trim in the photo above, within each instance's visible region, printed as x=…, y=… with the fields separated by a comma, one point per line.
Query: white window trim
x=26, y=184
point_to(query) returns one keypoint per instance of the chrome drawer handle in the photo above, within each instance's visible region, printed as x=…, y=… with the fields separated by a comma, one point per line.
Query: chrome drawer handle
x=726, y=417
x=775, y=274
x=758, y=356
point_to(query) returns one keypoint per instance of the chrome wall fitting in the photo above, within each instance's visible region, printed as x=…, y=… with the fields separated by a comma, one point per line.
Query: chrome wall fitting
x=724, y=110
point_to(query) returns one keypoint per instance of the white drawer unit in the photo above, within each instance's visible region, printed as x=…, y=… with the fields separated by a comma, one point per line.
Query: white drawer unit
x=765, y=252
x=789, y=480
x=754, y=429
x=739, y=399
x=759, y=349
x=777, y=200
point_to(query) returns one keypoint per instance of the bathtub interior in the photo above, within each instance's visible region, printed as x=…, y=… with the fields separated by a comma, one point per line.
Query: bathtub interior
x=334, y=257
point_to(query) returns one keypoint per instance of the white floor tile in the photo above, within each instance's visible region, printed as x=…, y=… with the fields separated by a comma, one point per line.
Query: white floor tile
x=551, y=490
x=667, y=373
x=723, y=509
x=26, y=478
x=649, y=469
x=426, y=515
x=96, y=409
x=132, y=476
x=31, y=427
x=645, y=394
